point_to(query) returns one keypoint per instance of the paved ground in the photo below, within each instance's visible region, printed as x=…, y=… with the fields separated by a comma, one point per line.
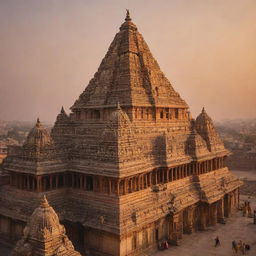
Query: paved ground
x=202, y=243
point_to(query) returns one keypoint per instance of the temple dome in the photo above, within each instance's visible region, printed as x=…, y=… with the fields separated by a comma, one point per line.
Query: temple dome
x=38, y=137
x=44, y=235
x=205, y=127
x=44, y=222
x=204, y=120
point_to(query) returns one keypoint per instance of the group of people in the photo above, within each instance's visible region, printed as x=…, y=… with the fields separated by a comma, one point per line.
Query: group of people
x=163, y=245
x=239, y=246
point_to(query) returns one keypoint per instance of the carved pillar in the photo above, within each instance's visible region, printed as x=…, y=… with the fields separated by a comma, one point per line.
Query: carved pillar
x=117, y=187
x=109, y=186
x=213, y=213
x=203, y=217
x=182, y=171
x=171, y=174
x=125, y=186
x=188, y=215
x=220, y=211
x=175, y=229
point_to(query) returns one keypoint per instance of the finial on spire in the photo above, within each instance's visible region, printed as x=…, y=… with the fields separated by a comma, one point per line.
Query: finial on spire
x=62, y=110
x=44, y=202
x=203, y=110
x=127, y=18
x=38, y=122
x=118, y=105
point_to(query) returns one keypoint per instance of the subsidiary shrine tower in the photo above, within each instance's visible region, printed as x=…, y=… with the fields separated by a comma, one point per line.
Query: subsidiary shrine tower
x=128, y=168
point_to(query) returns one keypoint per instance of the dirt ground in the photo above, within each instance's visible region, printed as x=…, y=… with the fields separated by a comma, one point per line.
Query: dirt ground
x=237, y=228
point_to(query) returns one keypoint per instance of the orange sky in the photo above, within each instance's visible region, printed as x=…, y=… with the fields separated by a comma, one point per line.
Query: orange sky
x=50, y=49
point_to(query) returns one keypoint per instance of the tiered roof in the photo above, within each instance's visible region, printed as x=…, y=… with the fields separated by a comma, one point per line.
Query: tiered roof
x=129, y=74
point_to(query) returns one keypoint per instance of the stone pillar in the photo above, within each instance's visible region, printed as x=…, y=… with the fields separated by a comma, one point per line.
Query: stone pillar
x=167, y=175
x=175, y=229
x=125, y=186
x=220, y=211
x=118, y=188
x=203, y=215
x=213, y=213
x=109, y=186
x=188, y=220
x=227, y=205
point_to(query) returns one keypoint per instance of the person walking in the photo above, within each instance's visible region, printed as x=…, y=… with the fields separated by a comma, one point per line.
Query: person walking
x=234, y=246
x=217, y=241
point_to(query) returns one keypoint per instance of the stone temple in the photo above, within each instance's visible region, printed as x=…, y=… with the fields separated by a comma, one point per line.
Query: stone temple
x=128, y=167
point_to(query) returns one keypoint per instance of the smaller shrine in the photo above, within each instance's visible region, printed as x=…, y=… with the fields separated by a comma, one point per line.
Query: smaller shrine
x=44, y=235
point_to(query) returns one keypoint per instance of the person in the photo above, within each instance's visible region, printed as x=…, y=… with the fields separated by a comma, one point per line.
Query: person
x=166, y=245
x=247, y=247
x=217, y=241
x=243, y=248
x=234, y=246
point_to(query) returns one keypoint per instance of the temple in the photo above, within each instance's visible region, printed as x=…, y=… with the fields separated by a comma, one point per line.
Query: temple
x=128, y=167
x=44, y=235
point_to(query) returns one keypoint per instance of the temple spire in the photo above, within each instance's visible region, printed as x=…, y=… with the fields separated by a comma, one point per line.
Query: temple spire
x=127, y=18
x=62, y=110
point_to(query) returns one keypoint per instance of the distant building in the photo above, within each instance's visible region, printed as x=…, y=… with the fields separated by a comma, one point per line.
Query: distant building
x=129, y=167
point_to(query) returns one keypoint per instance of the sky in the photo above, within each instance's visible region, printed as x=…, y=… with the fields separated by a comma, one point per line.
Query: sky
x=49, y=50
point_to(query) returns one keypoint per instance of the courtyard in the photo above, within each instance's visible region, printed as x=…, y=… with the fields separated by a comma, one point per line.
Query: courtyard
x=202, y=243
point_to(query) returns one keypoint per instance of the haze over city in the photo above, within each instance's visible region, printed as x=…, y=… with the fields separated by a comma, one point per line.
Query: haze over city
x=51, y=49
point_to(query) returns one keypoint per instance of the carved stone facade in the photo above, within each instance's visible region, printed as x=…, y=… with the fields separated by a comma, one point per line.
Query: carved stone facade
x=128, y=167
